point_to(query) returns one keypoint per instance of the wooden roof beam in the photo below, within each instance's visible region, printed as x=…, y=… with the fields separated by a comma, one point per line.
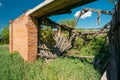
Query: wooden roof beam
x=98, y=11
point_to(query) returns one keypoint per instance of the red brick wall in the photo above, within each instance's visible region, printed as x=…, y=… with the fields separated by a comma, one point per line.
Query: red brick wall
x=23, y=37
x=32, y=39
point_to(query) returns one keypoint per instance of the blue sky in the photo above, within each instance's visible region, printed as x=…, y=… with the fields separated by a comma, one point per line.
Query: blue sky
x=11, y=9
x=90, y=22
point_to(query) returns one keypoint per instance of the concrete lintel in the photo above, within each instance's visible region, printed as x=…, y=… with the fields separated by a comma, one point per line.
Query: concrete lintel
x=49, y=7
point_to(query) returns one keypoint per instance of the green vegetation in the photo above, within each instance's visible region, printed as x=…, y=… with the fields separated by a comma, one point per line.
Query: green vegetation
x=68, y=22
x=4, y=35
x=12, y=67
x=47, y=36
x=67, y=67
x=97, y=47
x=112, y=1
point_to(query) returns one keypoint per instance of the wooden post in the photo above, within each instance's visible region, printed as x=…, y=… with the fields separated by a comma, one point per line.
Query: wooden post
x=39, y=31
x=114, y=45
x=113, y=65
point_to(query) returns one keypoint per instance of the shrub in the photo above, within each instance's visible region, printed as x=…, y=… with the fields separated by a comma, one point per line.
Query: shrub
x=4, y=36
x=47, y=36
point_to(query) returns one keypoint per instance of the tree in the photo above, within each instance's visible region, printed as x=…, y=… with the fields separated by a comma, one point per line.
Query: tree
x=5, y=35
x=68, y=22
x=112, y=1
x=0, y=38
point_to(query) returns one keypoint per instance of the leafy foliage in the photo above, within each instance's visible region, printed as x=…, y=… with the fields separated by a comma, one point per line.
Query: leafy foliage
x=0, y=39
x=112, y=1
x=97, y=46
x=47, y=35
x=68, y=22
x=79, y=43
x=5, y=35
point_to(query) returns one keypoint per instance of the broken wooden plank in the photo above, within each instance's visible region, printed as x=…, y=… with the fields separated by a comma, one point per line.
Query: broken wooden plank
x=47, y=56
x=83, y=57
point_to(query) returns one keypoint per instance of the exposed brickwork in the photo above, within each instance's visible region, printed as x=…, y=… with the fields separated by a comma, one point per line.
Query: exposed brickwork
x=32, y=39
x=11, y=36
x=23, y=37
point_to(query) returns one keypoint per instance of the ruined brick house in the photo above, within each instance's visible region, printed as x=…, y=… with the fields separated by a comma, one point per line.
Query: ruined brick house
x=24, y=30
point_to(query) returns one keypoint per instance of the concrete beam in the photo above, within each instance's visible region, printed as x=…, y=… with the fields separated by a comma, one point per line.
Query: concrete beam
x=51, y=7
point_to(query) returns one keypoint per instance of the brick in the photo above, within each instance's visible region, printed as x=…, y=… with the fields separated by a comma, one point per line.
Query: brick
x=23, y=37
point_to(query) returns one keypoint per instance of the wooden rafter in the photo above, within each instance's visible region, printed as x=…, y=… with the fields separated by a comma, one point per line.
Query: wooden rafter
x=98, y=11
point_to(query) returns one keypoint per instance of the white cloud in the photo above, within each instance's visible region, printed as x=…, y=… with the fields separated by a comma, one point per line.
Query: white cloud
x=87, y=14
x=1, y=4
x=77, y=14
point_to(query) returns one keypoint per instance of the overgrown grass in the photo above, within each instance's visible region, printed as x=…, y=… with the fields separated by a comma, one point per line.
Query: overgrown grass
x=12, y=67
x=70, y=69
